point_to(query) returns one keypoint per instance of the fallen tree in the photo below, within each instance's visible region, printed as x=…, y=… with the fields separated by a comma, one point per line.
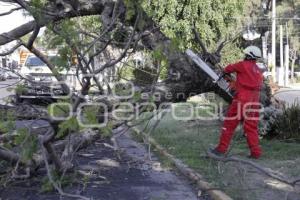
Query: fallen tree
x=183, y=79
x=183, y=76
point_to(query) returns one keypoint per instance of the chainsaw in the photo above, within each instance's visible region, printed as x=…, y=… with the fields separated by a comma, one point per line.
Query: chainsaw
x=224, y=81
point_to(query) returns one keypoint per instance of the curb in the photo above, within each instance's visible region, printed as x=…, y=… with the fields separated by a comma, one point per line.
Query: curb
x=185, y=170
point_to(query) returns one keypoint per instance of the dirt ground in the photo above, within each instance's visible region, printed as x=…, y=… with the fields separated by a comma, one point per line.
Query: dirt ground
x=111, y=175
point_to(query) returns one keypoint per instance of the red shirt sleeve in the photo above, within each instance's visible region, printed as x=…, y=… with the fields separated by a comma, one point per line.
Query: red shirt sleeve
x=233, y=68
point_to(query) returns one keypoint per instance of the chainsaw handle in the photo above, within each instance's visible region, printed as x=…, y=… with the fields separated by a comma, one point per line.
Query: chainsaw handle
x=222, y=75
x=228, y=77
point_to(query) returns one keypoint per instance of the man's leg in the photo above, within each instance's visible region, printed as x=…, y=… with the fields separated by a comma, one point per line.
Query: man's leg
x=251, y=130
x=230, y=123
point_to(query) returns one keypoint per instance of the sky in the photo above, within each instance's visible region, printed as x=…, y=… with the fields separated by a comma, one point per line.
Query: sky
x=8, y=23
x=11, y=21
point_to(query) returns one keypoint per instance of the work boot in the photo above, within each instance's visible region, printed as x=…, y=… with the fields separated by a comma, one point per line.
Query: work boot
x=253, y=157
x=215, y=152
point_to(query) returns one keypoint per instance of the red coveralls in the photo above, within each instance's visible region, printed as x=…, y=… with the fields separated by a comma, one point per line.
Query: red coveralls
x=244, y=106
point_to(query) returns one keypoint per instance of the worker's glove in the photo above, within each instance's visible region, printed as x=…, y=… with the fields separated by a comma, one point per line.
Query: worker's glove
x=226, y=76
x=231, y=81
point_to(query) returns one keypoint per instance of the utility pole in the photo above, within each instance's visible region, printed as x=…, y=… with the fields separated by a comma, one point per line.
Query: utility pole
x=281, y=69
x=264, y=47
x=274, y=40
x=287, y=58
x=293, y=54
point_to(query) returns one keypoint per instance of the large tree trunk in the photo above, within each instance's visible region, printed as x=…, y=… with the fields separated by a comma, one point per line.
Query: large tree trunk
x=184, y=78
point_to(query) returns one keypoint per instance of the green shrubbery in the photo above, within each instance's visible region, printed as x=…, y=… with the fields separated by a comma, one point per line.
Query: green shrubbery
x=287, y=125
x=283, y=124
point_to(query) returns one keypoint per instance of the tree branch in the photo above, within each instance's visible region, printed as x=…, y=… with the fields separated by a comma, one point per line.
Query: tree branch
x=181, y=13
x=222, y=44
x=21, y=3
x=11, y=50
x=96, y=9
x=11, y=11
x=8, y=1
x=199, y=41
x=55, y=185
x=91, y=57
x=269, y=173
x=100, y=37
x=16, y=33
x=9, y=155
x=33, y=36
x=107, y=65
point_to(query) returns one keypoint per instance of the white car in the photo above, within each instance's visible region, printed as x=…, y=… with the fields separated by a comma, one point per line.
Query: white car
x=35, y=68
x=39, y=80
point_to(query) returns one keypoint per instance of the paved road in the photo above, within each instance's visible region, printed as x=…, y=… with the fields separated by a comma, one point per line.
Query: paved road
x=290, y=96
x=4, y=85
x=165, y=183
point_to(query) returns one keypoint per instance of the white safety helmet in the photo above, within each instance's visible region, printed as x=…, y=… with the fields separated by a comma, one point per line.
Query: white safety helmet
x=253, y=51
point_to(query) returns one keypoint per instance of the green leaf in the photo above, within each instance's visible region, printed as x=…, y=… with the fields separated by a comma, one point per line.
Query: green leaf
x=107, y=131
x=67, y=127
x=27, y=142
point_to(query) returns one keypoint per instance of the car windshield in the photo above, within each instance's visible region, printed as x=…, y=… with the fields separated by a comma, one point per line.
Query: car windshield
x=34, y=61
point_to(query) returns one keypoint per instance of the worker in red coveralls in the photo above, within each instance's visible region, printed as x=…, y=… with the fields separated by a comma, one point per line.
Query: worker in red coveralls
x=245, y=105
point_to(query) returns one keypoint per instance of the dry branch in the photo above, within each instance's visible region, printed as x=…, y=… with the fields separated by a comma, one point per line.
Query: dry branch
x=9, y=156
x=265, y=171
x=55, y=185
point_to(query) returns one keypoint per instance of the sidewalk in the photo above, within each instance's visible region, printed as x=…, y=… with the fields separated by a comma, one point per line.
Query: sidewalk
x=106, y=174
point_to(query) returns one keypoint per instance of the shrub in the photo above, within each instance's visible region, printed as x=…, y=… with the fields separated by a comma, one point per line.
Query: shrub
x=287, y=125
x=283, y=124
x=266, y=125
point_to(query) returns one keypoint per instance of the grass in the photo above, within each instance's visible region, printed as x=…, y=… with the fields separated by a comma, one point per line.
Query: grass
x=188, y=140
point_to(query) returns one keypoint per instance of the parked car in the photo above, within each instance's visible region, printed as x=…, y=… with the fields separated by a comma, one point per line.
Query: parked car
x=40, y=83
x=39, y=80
